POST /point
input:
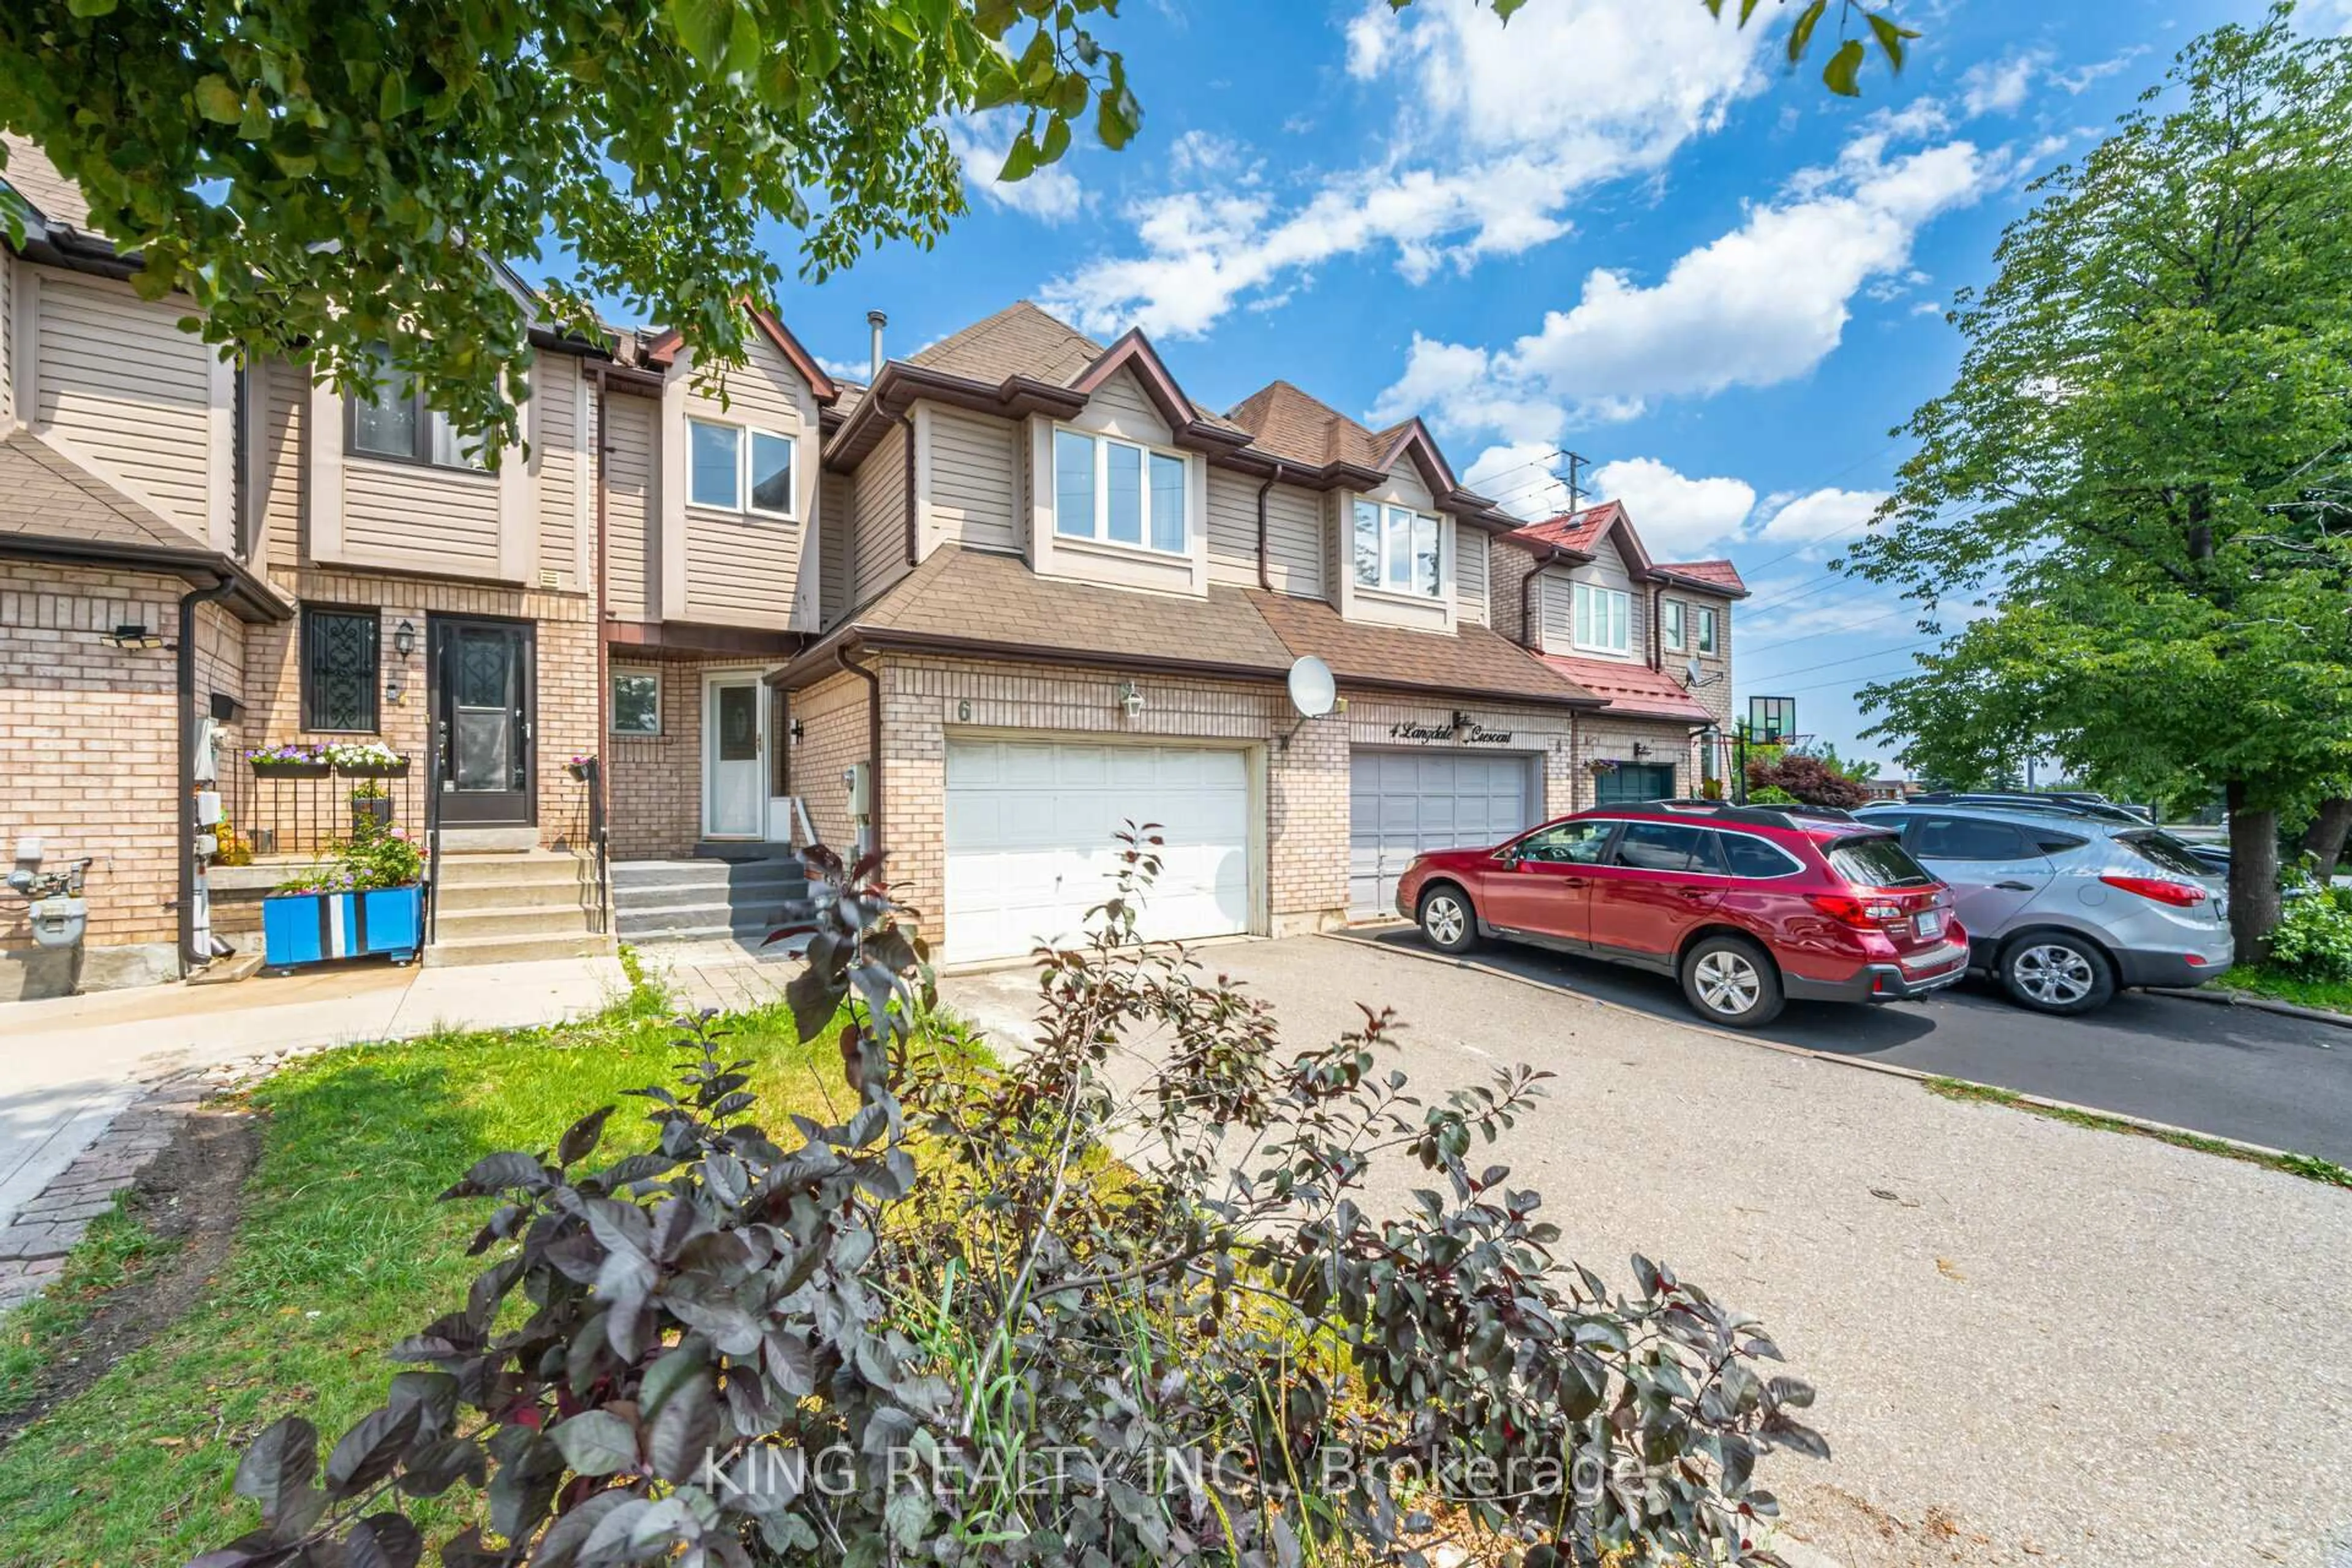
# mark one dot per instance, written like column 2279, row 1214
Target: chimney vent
column 877, row 320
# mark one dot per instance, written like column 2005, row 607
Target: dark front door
column 484, row 698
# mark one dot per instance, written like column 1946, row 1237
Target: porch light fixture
column 404, row 639
column 1640, row 750
column 134, row 637
column 1130, row 698
column 1461, row 726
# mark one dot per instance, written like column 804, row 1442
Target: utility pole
column 1577, row 464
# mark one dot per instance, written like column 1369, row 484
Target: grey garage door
column 1402, row 803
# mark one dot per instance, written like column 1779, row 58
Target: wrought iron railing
column 290, row 814
column 592, row 774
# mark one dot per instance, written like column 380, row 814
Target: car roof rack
column 1762, row 816
column 2069, row 805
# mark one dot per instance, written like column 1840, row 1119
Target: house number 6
column 963, row 711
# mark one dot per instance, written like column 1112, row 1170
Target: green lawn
column 340, row 1252
column 2332, row 995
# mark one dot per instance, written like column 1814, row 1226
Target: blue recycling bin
column 312, row 928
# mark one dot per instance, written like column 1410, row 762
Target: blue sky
column 1615, row 228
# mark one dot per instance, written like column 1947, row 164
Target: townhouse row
column 1010, row 593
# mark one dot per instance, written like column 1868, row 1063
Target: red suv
column 1745, row 905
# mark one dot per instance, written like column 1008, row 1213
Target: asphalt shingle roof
column 38, row 181
column 45, row 494
column 1019, row 339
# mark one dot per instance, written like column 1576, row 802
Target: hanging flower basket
column 367, row 760
column 289, row 762
column 1603, row 764
column 582, row 768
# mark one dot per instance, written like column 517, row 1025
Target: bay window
column 1604, row 618
column 732, row 468
column 1397, row 550
column 1116, row 492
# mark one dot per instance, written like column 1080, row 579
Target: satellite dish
column 1690, row 673
column 1312, row 690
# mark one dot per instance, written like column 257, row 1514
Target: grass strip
column 2310, row 1167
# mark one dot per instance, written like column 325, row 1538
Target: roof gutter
column 205, row 568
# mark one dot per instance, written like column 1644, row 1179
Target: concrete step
column 751, row 938
column 515, row 871
column 573, row 892
column 462, row 925
column 677, row 895
column 705, row 873
column 487, row 840
column 516, row 949
column 663, row 924
column 741, row 853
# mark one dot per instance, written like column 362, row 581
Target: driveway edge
column 2258, row 1152
column 2228, row 998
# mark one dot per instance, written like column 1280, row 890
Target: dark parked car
column 1746, row 906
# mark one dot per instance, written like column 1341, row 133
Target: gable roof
column 1582, row 531
column 43, row 186
column 1019, row 339
column 1286, row 423
column 1714, row 576
column 663, row 346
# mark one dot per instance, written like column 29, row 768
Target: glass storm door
column 737, row 779
column 483, row 697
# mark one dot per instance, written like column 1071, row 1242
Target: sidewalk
column 70, row 1066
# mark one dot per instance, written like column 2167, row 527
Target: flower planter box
column 292, row 770
column 312, row 928
column 398, row 770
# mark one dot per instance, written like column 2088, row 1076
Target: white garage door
column 1031, row 846
column 1402, row 803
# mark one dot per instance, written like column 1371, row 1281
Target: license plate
column 1928, row 924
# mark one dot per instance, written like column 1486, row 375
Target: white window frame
column 1390, row 517
column 743, row 489
column 1673, row 615
column 1591, row 595
column 1706, row 631
column 1101, row 535
column 613, row 698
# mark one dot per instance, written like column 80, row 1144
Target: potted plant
column 367, row 899
column 367, row 760
column 582, row 767
column 289, row 760
column 371, row 804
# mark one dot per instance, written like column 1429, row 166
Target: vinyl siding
column 1294, row 534
column 742, row 568
column 1607, row 568
column 7, row 336
column 118, row 381
column 555, row 392
column 880, row 507
column 630, row 508
column 422, row 519
column 1232, row 527
column 834, row 519
column 284, row 404
column 1470, row 574
column 973, row 482
column 1120, row 407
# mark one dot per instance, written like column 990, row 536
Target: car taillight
column 2179, row 895
column 1854, row 912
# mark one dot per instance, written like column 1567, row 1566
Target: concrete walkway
column 68, row 1067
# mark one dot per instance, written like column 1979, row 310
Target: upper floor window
column 1396, row 549
column 338, row 666
column 1604, row 618
column 1706, row 631
column 1119, row 492
column 1670, row 623
column 733, row 468
column 392, row 420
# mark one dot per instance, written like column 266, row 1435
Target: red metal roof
column 1721, row 573
column 1576, row 530
column 1633, row 689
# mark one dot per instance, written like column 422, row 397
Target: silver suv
column 2061, row 908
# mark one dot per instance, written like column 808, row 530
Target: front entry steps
column 501, row 905
column 738, row 896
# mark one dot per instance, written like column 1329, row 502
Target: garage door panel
column 1401, row 803
column 1030, row 840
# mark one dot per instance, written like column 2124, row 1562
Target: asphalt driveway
column 2035, row 1344
column 2235, row 1072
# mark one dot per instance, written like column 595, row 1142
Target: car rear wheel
column 1446, row 919
column 2054, row 971
column 1731, row 980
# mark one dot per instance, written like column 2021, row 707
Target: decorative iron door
column 484, row 698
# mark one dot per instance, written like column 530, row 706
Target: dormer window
column 1397, row 550
column 1116, row 492
column 1604, row 618
column 731, row 467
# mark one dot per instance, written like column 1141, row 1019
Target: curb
column 1887, row 1069
column 2227, row 998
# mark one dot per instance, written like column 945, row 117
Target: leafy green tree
column 2139, row 462
column 320, row 178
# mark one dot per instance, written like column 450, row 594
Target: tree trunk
column 2324, row 840
column 2254, row 875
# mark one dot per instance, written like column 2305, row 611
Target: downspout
column 914, row 518
column 1657, row 650
column 1526, row 592
column 186, row 844
column 873, row 680
column 1264, row 574
column 603, row 447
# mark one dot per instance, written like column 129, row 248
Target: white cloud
column 1999, row 87
column 1520, row 478
column 1676, row 516
column 1492, row 145
column 2080, row 79
column 1757, row 306
column 1051, row 195
column 1824, row 517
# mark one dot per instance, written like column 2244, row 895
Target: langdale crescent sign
column 1474, row 733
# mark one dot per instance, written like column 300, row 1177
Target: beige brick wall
column 88, row 751
column 1602, row 736
column 831, row 715
column 657, row 780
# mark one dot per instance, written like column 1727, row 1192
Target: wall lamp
column 404, row 639
column 134, row 637
column 1130, row 698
